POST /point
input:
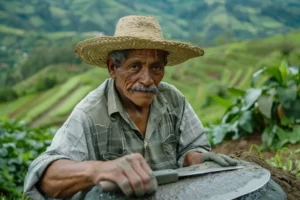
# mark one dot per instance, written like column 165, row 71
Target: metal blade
column 206, row 171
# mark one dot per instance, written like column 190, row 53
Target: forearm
column 64, row 178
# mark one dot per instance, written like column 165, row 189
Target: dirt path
column 46, row 114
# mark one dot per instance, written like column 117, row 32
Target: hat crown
column 144, row 27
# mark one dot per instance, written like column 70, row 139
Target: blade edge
column 206, row 171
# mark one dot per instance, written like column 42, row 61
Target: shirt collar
column 113, row 101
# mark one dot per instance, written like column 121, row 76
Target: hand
column 131, row 173
column 220, row 159
column 192, row 158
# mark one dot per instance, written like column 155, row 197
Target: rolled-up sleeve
column 192, row 136
column 68, row 143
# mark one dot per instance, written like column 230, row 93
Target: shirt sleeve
column 68, row 143
column 192, row 136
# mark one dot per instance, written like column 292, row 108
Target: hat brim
column 95, row 51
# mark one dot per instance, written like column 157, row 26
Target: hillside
column 201, row 80
column 29, row 25
column 184, row 20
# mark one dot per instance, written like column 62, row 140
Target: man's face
column 138, row 76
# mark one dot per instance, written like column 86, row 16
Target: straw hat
column 134, row 32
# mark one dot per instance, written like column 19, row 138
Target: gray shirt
column 100, row 129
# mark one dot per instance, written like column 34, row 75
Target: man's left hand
column 192, row 158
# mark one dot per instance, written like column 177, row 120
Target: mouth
column 142, row 91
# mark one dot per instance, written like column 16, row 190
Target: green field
column 201, row 80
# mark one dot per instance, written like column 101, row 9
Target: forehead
column 147, row 53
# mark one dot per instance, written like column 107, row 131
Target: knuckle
column 146, row 180
column 137, row 183
column 129, row 159
column 137, row 156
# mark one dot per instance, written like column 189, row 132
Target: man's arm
column 194, row 144
column 64, row 169
column 192, row 136
column 131, row 173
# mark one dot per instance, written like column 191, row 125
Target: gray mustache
column 141, row 88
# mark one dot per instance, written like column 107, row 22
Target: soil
column 239, row 149
column 289, row 182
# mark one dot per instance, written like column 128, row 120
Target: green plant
column 19, row 145
column 273, row 109
column 285, row 158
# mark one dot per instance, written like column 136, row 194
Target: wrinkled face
column 137, row 78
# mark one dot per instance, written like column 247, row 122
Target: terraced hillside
column 203, row 81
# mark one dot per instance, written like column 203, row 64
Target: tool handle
column 162, row 176
column 108, row 186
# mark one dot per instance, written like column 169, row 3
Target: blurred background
column 245, row 89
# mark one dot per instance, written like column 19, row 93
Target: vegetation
column 19, row 145
column 35, row 34
column 272, row 109
column 204, row 81
column 237, row 89
column 285, row 158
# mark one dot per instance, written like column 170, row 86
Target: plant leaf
column 284, row 71
column 251, row 97
column 295, row 135
column 294, row 110
column 274, row 72
column 265, row 105
column 245, row 121
column 287, row 95
column 255, row 76
column 268, row 135
column 219, row 133
column 236, row 92
column 223, row 102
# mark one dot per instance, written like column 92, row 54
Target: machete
column 167, row 176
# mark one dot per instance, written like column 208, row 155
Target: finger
column 153, row 182
column 144, row 175
column 145, row 166
column 153, row 185
column 123, row 180
column 218, row 159
column 124, row 185
column 133, row 172
column 229, row 160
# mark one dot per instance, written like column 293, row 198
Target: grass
column 43, row 97
column 10, row 30
column 7, row 108
column 71, row 101
column 43, row 107
column 287, row 158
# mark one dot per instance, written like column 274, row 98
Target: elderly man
column 131, row 124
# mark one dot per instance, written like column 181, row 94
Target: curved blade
column 206, row 171
column 253, row 185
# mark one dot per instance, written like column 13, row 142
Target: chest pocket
column 109, row 142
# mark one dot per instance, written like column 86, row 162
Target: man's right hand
column 131, row 173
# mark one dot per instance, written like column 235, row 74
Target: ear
column 111, row 68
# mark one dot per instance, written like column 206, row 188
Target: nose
column 146, row 77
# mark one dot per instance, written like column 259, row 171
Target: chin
column 143, row 100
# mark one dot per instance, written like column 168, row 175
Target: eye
column 135, row 66
column 157, row 67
